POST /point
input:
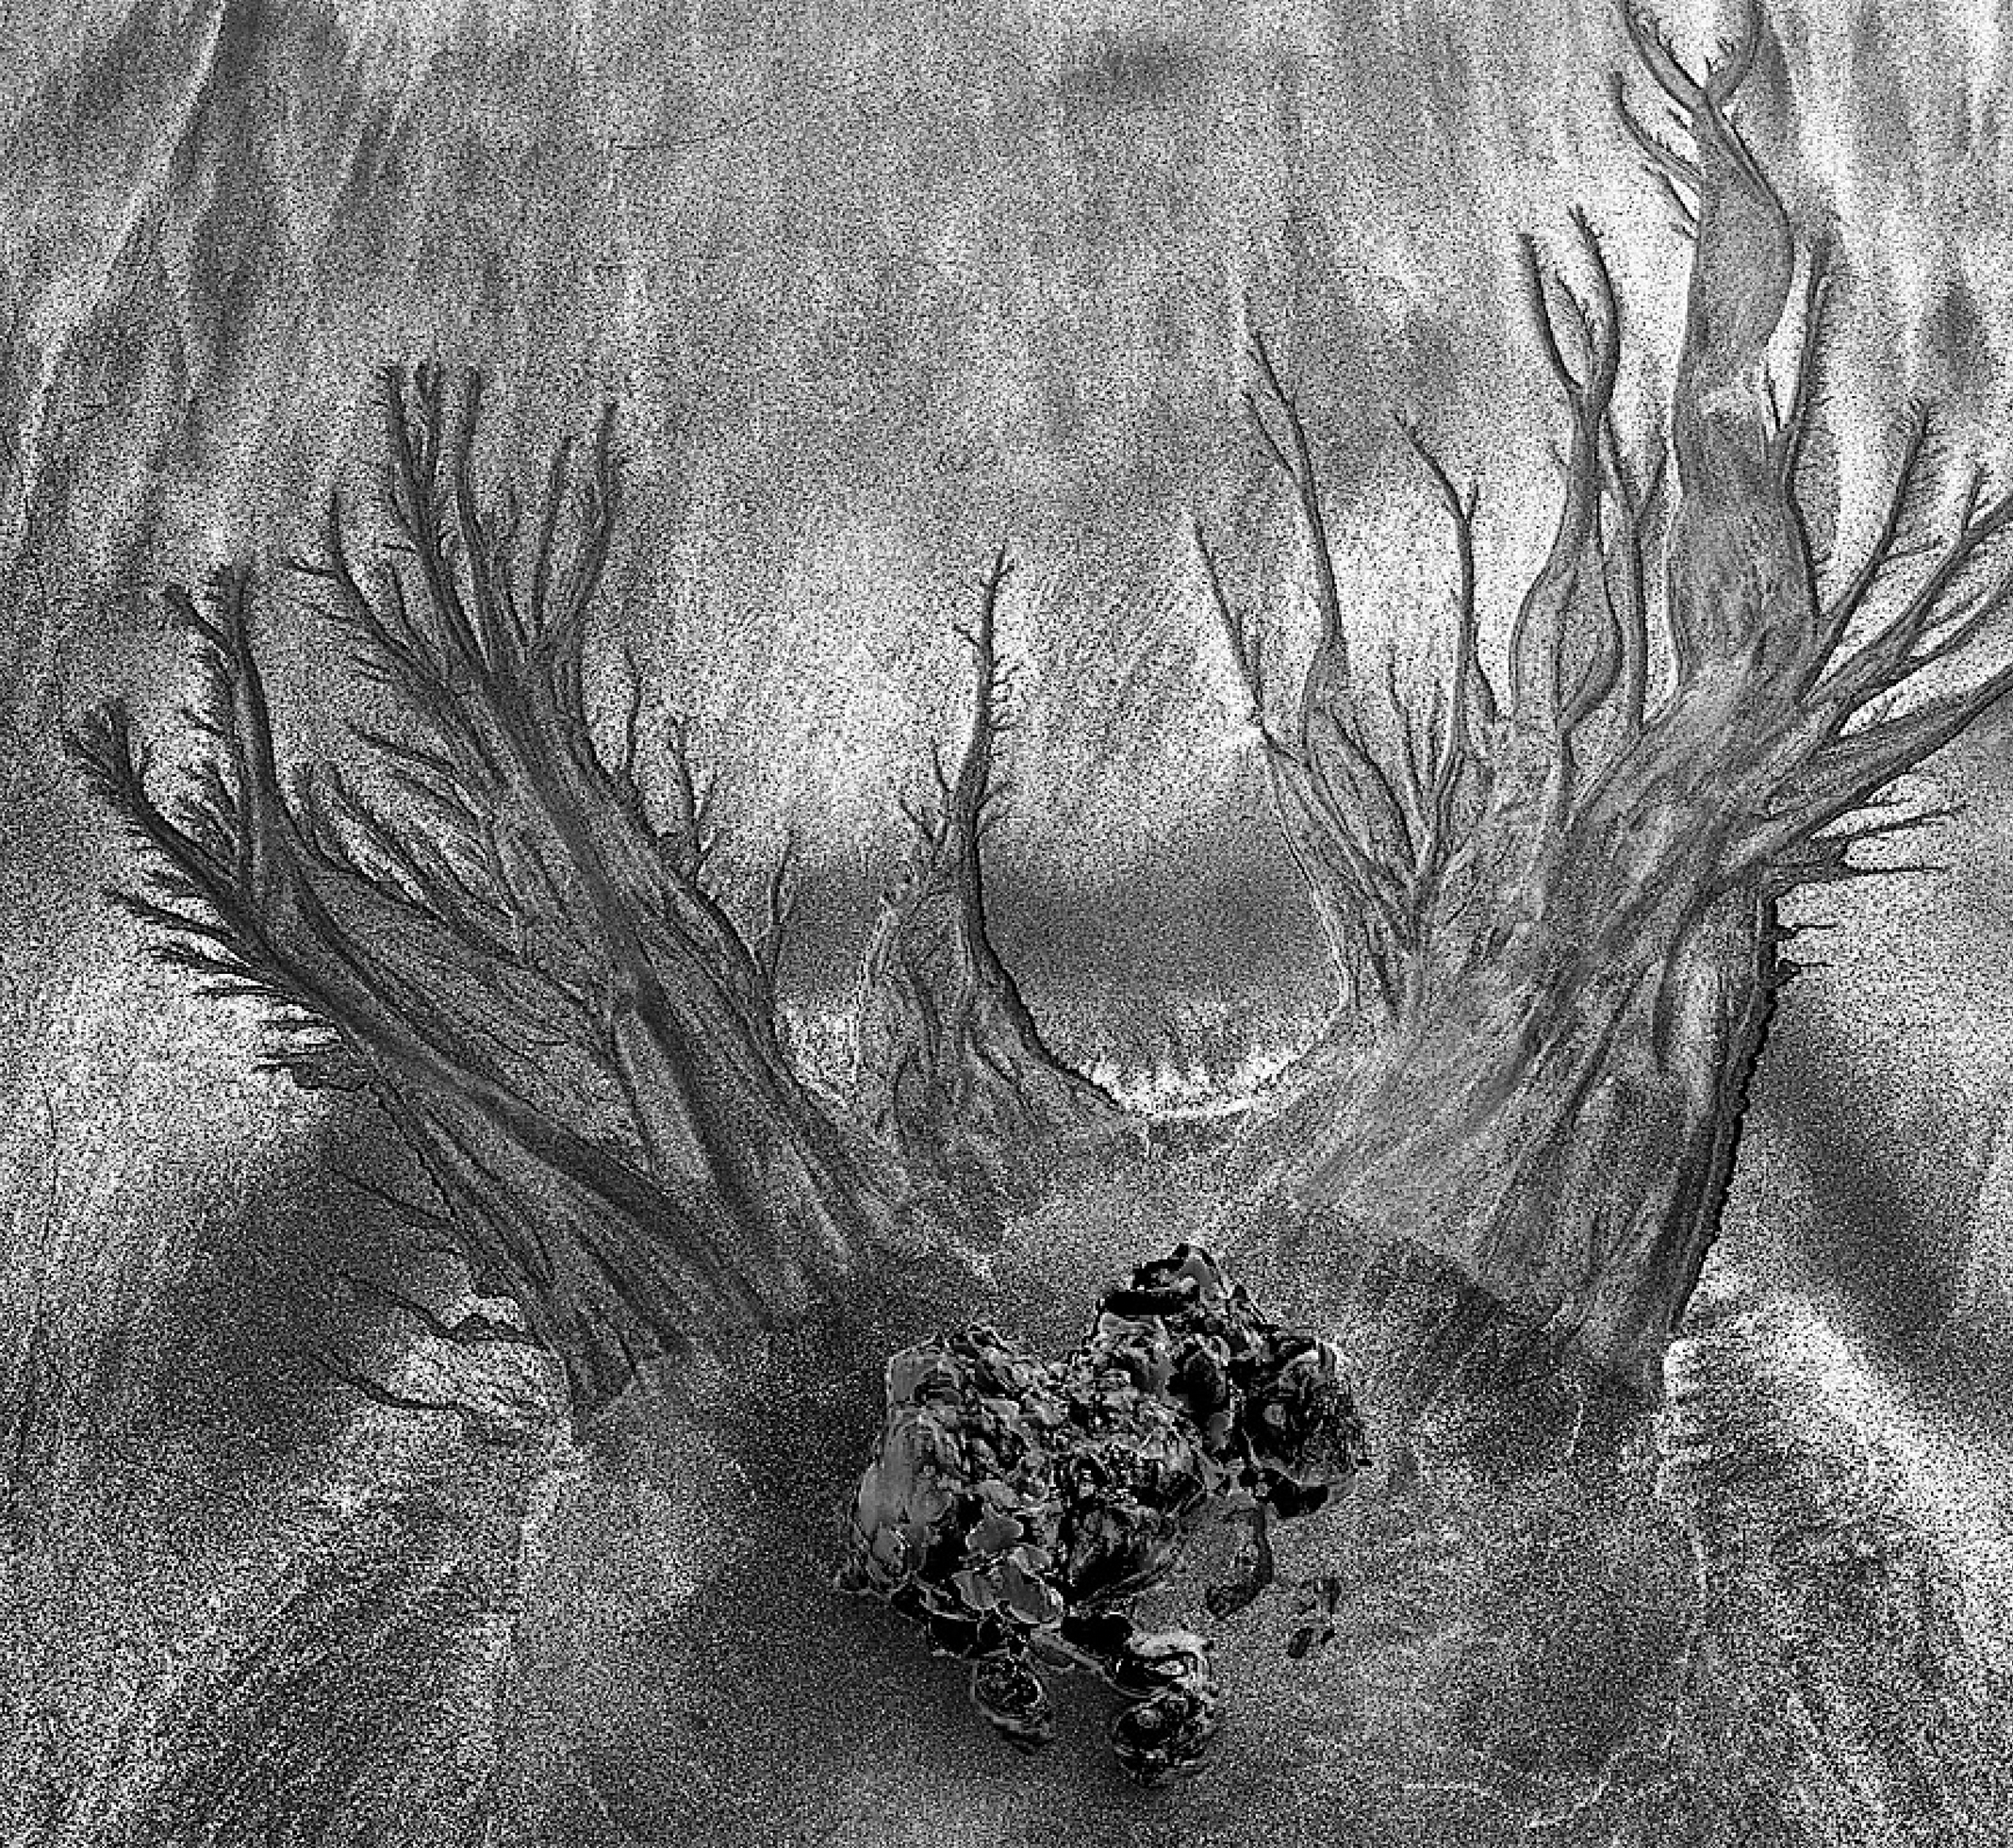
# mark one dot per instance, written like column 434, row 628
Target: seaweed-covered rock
column 1016, row 1505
